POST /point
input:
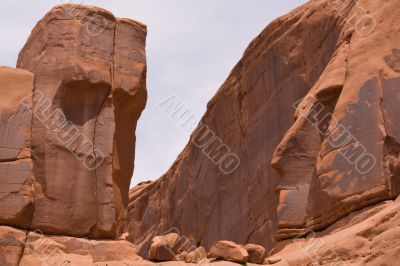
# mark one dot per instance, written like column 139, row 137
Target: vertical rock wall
column 310, row 111
column 90, row 89
column 16, row 175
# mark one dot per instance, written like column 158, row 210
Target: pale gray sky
column 191, row 48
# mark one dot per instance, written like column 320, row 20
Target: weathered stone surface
column 330, row 65
column 196, row 256
column 207, row 262
column 164, row 248
column 16, row 191
column 138, row 205
column 16, row 85
column 12, row 242
column 228, row 250
column 90, row 90
column 338, row 158
column 368, row 237
column 341, row 153
column 256, row 253
column 61, row 250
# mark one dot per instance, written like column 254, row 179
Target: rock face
column 16, row 191
column 227, row 250
column 67, row 138
column 341, row 154
column 33, row 248
column 368, row 237
column 301, row 141
column 89, row 91
column 310, row 112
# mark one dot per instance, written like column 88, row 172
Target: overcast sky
column 191, row 47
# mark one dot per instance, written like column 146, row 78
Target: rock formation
column 90, row 70
column 164, row 248
column 296, row 159
column 310, row 111
column 229, row 251
column 197, row 256
column 16, row 175
column 256, row 253
column 367, row 237
column 62, row 250
column 67, row 134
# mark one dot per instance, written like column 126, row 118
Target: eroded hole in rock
column 81, row 101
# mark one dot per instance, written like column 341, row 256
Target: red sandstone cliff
column 91, row 66
column 68, row 120
column 298, row 151
column 304, row 164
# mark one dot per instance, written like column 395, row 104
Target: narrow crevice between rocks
column 94, row 228
column 21, row 255
column 327, row 98
column 95, row 160
column 311, row 223
column 33, row 178
column 256, row 229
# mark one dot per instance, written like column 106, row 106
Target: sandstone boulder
column 12, row 244
column 228, row 250
column 256, row 253
column 43, row 249
column 164, row 248
column 196, row 256
column 90, row 89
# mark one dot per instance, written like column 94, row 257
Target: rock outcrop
column 341, row 153
column 229, row 251
column 367, row 237
column 12, row 245
column 164, row 248
column 67, row 138
column 298, row 151
column 89, row 91
column 309, row 112
column 16, row 175
column 256, row 253
column 33, row 248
